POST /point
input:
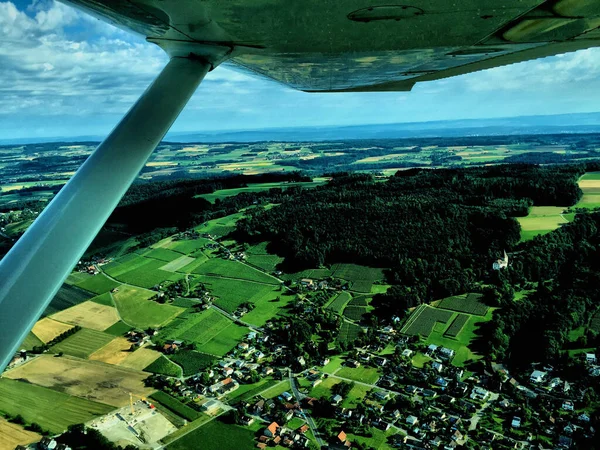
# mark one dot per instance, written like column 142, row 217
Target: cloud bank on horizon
column 65, row 73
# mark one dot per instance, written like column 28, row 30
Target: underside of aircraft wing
column 359, row 45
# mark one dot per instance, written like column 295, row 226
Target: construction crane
column 131, row 395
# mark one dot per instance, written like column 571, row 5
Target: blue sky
column 64, row 73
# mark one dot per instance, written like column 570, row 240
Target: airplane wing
column 360, row 45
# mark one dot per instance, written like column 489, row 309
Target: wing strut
column 35, row 268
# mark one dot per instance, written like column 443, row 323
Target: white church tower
column 501, row 263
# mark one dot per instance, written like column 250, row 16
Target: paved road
column 300, row 396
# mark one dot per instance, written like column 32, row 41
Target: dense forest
column 437, row 230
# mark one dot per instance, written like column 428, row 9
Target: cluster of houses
column 275, row 434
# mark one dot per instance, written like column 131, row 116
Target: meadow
column 175, row 405
column 466, row 303
column 210, row 330
column 340, row 302
column 164, row 366
column 98, row 284
column 590, row 185
column 137, row 310
column 187, row 246
column 258, row 256
column 217, row 435
column 259, row 187
column 355, row 313
column 423, row 319
column 348, row 332
column 361, row 278
column 114, row 352
column 40, row 405
column 364, row 374
column 233, row 269
column 47, row 329
column 140, row 359
column 83, row 343
column 541, row 220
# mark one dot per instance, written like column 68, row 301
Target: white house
column 501, row 263
column 412, row 420
column 516, row 422
column 537, row 376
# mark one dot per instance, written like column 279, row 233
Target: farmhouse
column 272, row 430
column 537, row 376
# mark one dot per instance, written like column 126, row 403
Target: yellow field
column 47, row 329
column 12, row 435
column 92, row 380
column 89, row 315
column 114, row 352
column 140, row 359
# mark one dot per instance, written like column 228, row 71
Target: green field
column 466, row 303
column 232, row 293
column 175, row 406
column 461, row 343
column 349, row 332
column 456, row 326
column 233, row 269
column 277, row 390
column 216, row 435
column 54, row 411
column 98, row 284
column 258, row 256
column 162, row 254
column 541, row 220
column 590, row 185
column 247, row 391
column 118, row 329
column 188, row 246
column 135, row 308
column 124, row 264
column 103, row 299
column 30, row 341
column 148, row 274
column 355, row 396
column 423, row 320
column 361, row 278
column 340, row 302
column 164, row 366
column 259, row 187
column 323, row 389
column 220, row 227
column 363, row 374
column 213, row 332
column 355, row 313
column 83, row 343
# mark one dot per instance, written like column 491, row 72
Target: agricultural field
column 40, row 405
column 218, row 267
column 462, row 344
column 118, row 329
column 220, row 227
column 355, row 313
column 361, row 278
column 162, row 254
column 98, row 284
column 247, row 391
column 175, row 406
column 187, row 246
column 260, row 187
column 217, row 435
column 349, row 332
column 77, row 277
column 456, row 326
column 541, row 220
column 595, row 322
column 423, row 319
column 115, row 352
column 89, row 315
column 163, row 366
column 340, row 302
column 137, row 310
column 258, row 256
column 277, row 389
column 47, row 329
column 66, row 297
column 178, row 264
column 83, row 343
column 12, row 435
column 209, row 329
column 148, row 275
column 124, row 264
column 590, row 185
column 466, row 303
column 103, row 299
column 140, row 359
column 30, row 341
column 364, row 374
column 193, row 362
column 87, row 379
column 323, row 389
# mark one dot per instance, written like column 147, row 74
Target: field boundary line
column 413, row 318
